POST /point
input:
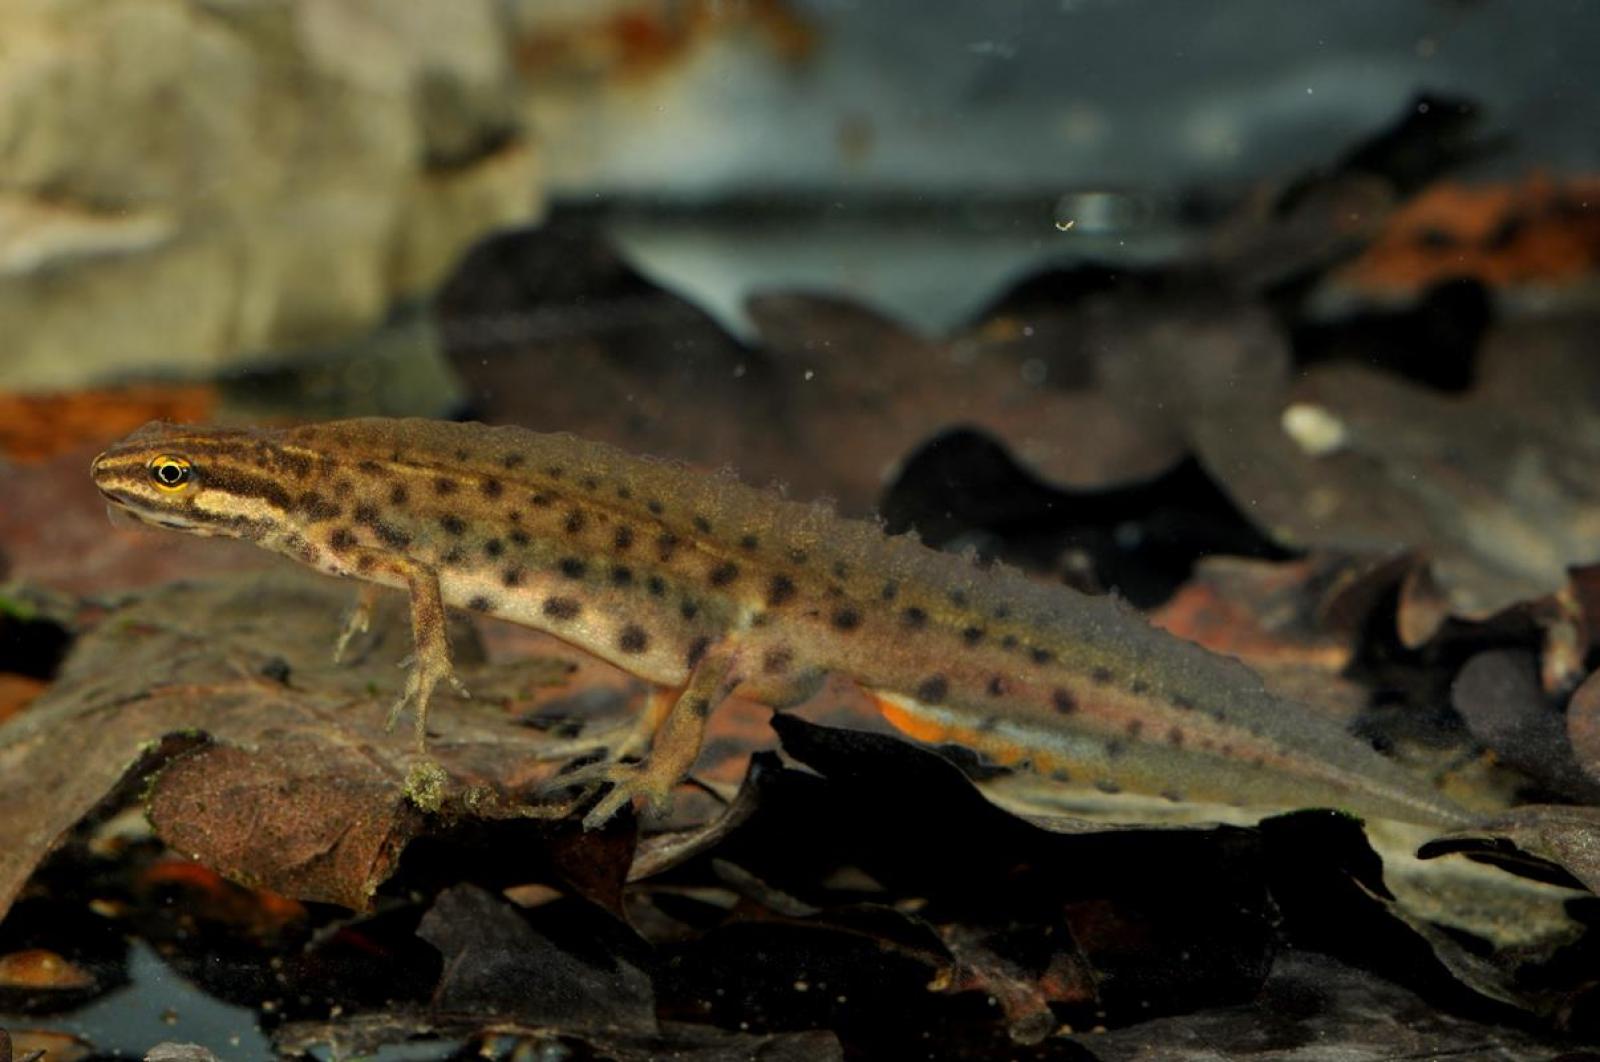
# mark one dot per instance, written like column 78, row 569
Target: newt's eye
column 170, row 473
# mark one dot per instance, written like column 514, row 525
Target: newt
column 701, row 585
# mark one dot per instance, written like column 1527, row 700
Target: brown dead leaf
column 1493, row 490
column 1499, row 696
column 833, row 395
column 1583, row 725
column 1543, row 231
column 38, row 427
column 300, row 790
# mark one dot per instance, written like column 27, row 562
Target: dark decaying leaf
column 300, row 789
column 1312, row 1006
column 1546, row 842
column 1491, row 489
column 498, row 963
column 1499, row 695
column 1583, row 725
column 366, row 1034
column 833, row 395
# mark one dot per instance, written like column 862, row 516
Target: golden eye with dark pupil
column 170, row 473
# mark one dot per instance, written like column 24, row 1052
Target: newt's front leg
column 430, row 658
column 676, row 744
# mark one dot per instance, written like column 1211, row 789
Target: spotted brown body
column 701, row 585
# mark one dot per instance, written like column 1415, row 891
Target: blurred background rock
column 192, row 185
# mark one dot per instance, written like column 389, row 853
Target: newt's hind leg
column 616, row 741
column 674, row 749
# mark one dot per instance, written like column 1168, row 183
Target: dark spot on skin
column 1115, row 747
column 776, row 661
column 1224, row 750
column 510, row 461
column 1002, row 612
column 575, row 523
column 492, row 488
column 1106, row 785
column 624, row 493
column 317, row 508
column 1184, row 703
column 540, row 498
column 840, row 571
column 972, row 635
column 914, row 617
column 494, row 547
column 561, row 608
column 453, row 555
column 364, row 563
column 760, row 619
column 779, row 589
column 656, row 585
column 688, row 610
column 1173, row 795
column 391, row 536
column 891, row 590
column 480, row 604
column 958, row 598
column 1041, row 656
column 398, row 495
column 996, row 687
column 297, row 464
column 590, row 483
column 444, row 485
column 1140, row 687
column 633, row 639
column 749, row 542
column 702, row 525
column 512, row 576
column 555, row 471
column 514, row 515
column 1134, row 728
column 621, row 575
column 933, row 689
column 1008, row 642
column 453, row 524
column 654, row 507
column 1101, row 676
column 370, row 467
column 622, row 538
column 666, row 543
column 846, row 619
column 461, row 455
column 724, row 573
column 700, row 706
column 572, row 567
column 366, row 513
column 1175, row 737
column 341, row 539
column 697, row 650
column 520, row 537
column 1063, row 701
column 835, row 590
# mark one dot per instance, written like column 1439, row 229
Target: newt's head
column 207, row 481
